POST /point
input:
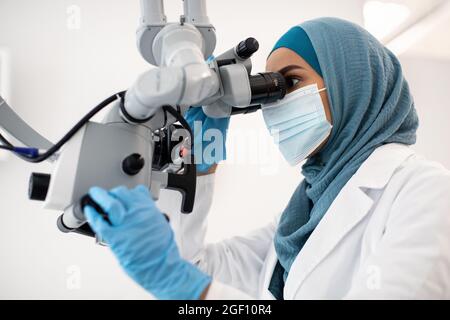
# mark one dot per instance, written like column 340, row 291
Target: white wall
column 429, row 80
column 58, row 74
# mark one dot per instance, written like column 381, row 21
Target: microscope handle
column 186, row 184
column 85, row 229
column 78, row 213
column 86, row 200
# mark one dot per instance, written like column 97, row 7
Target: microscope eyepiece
column 267, row 87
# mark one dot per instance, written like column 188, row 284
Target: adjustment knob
column 247, row 48
column 133, row 164
column 38, row 186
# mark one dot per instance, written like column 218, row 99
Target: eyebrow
column 290, row 68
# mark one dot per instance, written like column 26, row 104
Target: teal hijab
column 371, row 105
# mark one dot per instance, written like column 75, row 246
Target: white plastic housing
column 195, row 12
column 183, row 79
column 152, row 12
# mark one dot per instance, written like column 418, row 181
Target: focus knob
column 133, row 164
column 247, row 48
column 38, row 186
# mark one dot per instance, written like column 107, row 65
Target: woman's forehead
column 282, row 58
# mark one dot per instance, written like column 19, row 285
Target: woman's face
column 298, row 74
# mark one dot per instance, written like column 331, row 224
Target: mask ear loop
column 309, row 92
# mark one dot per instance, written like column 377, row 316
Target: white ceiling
column 435, row 44
column 427, row 28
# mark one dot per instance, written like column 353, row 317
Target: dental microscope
column 144, row 139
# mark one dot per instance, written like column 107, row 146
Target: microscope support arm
column 183, row 77
column 19, row 129
column 152, row 12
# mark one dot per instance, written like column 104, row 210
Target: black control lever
column 186, row 184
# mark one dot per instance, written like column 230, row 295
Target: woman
column 370, row 219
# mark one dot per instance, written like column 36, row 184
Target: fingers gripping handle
column 75, row 221
column 85, row 229
column 88, row 201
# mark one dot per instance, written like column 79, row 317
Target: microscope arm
column 19, row 129
column 169, row 86
column 183, row 77
column 152, row 13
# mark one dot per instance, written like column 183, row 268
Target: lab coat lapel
column 349, row 208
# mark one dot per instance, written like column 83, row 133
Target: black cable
column 165, row 118
column 55, row 148
column 9, row 148
column 5, row 141
column 183, row 122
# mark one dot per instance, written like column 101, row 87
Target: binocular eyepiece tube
column 267, row 87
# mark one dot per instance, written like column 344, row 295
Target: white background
column 57, row 74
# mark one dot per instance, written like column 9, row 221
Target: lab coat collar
column 378, row 169
column 348, row 209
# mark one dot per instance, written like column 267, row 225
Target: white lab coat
column 386, row 236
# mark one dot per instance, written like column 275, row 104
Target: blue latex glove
column 143, row 242
column 205, row 160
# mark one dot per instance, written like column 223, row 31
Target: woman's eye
column 292, row 82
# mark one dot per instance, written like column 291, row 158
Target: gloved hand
column 206, row 156
column 143, row 242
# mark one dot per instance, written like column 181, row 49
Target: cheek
column 326, row 105
column 308, row 79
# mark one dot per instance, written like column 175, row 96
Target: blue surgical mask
column 298, row 123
